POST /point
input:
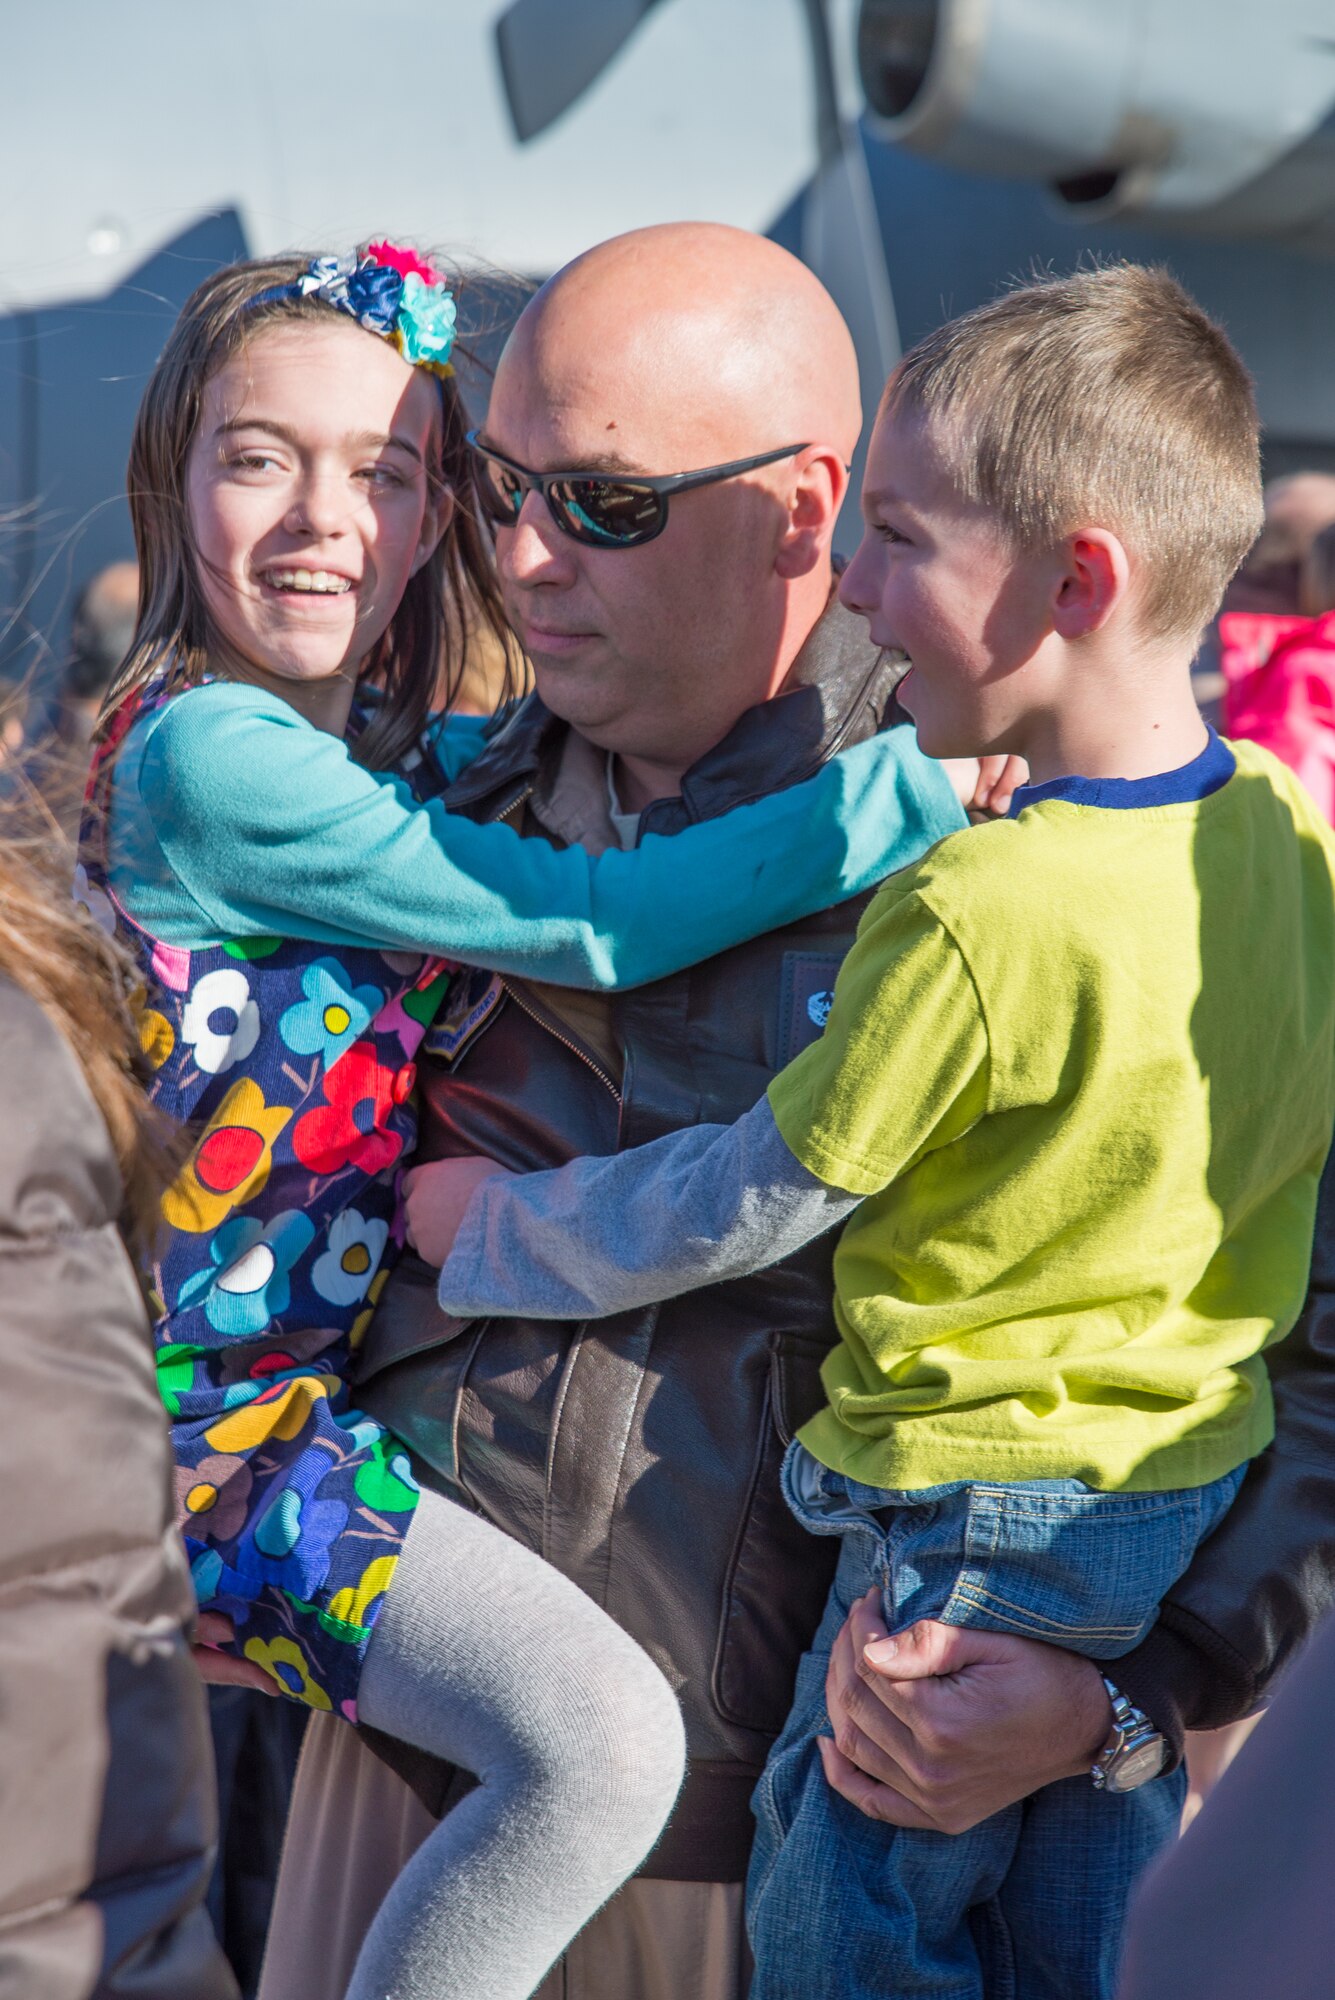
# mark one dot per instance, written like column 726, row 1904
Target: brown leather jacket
column 106, row 1772
column 640, row 1453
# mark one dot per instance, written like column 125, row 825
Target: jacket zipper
column 532, row 1012
column 565, row 1041
column 520, row 799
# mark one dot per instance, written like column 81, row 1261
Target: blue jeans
column 1029, row 1904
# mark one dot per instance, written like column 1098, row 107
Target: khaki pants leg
column 351, row 1827
column 354, row 1824
column 658, row 1941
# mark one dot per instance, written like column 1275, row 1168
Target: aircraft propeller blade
column 552, row 50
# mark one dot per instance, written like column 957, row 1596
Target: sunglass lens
column 501, row 493
column 610, row 513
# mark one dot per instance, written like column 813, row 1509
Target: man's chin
column 581, row 691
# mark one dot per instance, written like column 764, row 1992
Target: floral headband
column 390, row 290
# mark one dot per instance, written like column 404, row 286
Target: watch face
column 1137, row 1767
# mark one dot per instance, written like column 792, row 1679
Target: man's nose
column 534, row 550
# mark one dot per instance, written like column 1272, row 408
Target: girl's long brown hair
column 81, row 978
column 454, row 594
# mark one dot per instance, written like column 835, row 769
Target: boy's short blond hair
column 1106, row 399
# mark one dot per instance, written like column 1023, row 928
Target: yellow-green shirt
column 1081, row 1064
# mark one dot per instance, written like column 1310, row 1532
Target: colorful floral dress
column 293, row 1064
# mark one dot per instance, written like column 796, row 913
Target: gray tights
column 487, row 1657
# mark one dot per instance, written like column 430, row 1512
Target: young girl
column 303, row 500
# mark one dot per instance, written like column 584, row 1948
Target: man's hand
column 435, row 1197
column 943, row 1725
column 224, row 1669
column 985, row 786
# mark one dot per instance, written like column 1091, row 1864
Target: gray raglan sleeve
column 601, row 1235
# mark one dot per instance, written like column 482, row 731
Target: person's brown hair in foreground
column 106, row 1847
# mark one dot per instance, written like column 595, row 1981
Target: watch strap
column 1132, row 1731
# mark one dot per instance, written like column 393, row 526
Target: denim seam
column 984, row 1598
column 1154, row 1504
column 972, row 1580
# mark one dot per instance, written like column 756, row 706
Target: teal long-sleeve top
column 232, row 816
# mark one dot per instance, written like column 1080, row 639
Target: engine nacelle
column 1216, row 114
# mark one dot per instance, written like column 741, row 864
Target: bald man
column 704, row 664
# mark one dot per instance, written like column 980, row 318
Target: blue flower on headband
column 369, row 292
column 425, row 322
column 374, row 292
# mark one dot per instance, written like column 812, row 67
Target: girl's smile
column 310, row 506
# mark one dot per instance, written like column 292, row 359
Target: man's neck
column 641, row 780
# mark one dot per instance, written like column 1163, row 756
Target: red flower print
column 351, row 1128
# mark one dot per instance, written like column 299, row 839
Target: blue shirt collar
column 1204, row 774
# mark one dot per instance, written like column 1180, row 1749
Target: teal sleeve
column 233, row 817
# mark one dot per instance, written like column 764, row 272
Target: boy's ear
column 814, row 499
column 1094, row 581
column 436, row 519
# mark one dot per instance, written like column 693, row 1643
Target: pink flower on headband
column 401, row 257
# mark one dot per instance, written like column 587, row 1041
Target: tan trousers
column 353, row 1825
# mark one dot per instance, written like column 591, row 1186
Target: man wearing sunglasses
column 663, row 461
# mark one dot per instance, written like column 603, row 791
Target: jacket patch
column 473, row 998
column 806, row 993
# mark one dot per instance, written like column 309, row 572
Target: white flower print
column 217, row 1049
column 343, row 1273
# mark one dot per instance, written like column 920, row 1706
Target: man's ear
column 1095, row 579
column 815, row 496
column 435, row 520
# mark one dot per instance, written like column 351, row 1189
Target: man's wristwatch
column 1133, row 1754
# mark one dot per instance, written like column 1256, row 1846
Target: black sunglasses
column 604, row 510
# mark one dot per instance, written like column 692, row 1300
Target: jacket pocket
column 779, row 1576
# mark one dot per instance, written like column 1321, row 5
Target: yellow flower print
column 281, row 1412
column 157, row 1037
column 231, row 1162
column 284, row 1660
column 363, row 1319
column 351, row 1606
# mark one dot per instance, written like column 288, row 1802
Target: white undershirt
column 625, row 825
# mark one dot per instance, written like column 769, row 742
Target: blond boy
column 1072, row 1103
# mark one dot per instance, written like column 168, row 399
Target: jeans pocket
column 1074, row 1567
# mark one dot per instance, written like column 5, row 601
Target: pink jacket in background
column 1279, row 675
